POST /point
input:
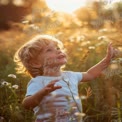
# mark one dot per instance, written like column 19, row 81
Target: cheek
column 50, row 60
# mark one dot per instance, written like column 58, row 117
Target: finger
column 51, row 89
column 109, row 46
column 57, row 87
column 54, row 81
column 110, row 51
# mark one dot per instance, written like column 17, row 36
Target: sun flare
column 67, row 6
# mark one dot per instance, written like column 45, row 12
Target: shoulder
column 37, row 80
column 78, row 76
column 71, row 73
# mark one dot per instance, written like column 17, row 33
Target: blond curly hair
column 30, row 52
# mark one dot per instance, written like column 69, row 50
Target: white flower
column 15, row 86
column 12, row 76
column 114, row 66
column 72, row 39
column 25, row 22
column 114, row 61
column 80, row 38
column 80, row 114
column 83, row 97
column 102, row 37
column 103, row 30
column 76, row 97
column 85, row 43
column 5, row 83
column 91, row 47
column 120, row 59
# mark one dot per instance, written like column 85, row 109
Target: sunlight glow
column 67, row 6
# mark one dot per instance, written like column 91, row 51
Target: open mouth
column 61, row 56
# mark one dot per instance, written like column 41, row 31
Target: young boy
column 53, row 93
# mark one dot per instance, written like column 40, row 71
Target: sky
column 69, row 6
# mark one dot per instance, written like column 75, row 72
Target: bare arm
column 30, row 102
column 96, row 70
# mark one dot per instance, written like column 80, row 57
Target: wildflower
column 15, row 86
column 32, row 25
column 120, row 48
column 72, row 119
column 83, row 97
column 80, row 114
column 5, row 83
column 80, row 38
column 102, row 38
column 120, row 60
column 25, row 22
column 113, row 66
column 76, row 97
column 91, row 47
column 72, row 39
column 85, row 43
column 103, row 30
column 12, row 76
column 113, row 69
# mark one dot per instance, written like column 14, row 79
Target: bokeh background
column 85, row 33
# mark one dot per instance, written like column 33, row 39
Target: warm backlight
column 67, row 6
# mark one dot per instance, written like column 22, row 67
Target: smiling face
column 52, row 56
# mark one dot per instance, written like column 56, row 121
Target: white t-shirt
column 61, row 104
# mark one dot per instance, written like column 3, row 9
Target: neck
column 52, row 71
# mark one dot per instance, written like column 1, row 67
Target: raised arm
column 30, row 102
column 96, row 70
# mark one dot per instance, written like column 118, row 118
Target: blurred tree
column 13, row 11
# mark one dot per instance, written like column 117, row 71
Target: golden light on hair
column 26, row 57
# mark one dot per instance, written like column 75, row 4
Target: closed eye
column 48, row 50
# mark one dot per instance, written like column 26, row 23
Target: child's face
column 52, row 56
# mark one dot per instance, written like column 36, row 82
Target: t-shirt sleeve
column 33, row 87
column 79, row 76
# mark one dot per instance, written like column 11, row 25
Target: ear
column 36, row 63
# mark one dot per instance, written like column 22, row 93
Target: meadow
column 85, row 37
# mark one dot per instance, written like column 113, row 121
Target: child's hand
column 51, row 87
column 111, row 52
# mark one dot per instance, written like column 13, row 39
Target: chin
column 63, row 63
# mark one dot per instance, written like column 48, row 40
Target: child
column 52, row 93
